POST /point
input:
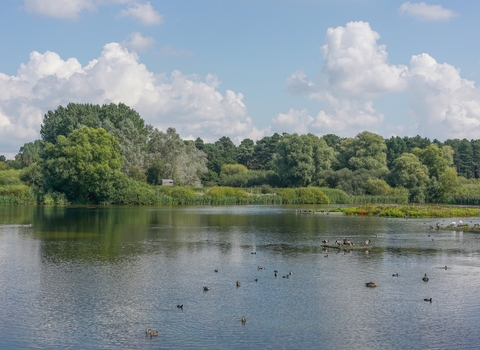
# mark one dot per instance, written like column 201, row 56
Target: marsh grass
column 414, row 211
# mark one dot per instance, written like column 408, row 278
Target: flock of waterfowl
column 347, row 242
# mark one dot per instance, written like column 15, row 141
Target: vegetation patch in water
column 409, row 211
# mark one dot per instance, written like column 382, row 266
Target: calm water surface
column 97, row 277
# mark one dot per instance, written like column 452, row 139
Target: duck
column 256, row 279
column 148, row 331
column 395, row 275
column 286, row 276
column 324, row 240
column 253, row 253
column 430, row 299
column 216, row 270
column 261, row 268
column 244, row 320
column 371, row 284
column 425, row 278
column 154, row 334
column 205, row 289
column 180, row 306
column 290, row 273
column 276, row 273
column 445, row 267
column 367, row 242
column 238, row 283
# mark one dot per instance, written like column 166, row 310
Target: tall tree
column 366, row 151
column 410, row 173
column 436, row 159
column 118, row 120
column 300, row 159
column 84, row 165
column 245, row 152
column 183, row 162
column 264, row 152
column 396, row 146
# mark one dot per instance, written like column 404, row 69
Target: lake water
column 97, row 277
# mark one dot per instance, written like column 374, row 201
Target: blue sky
column 245, row 68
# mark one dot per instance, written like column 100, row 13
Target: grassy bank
column 414, row 211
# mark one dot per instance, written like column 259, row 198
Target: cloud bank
column 357, row 72
column 189, row 103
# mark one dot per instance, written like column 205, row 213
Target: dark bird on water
column 425, row 278
column 244, row 320
column 206, row 289
column 180, row 306
column 395, row 275
column 430, row 299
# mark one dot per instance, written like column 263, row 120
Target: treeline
column 107, row 154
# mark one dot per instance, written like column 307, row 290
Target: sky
column 245, row 68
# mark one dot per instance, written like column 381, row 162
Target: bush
column 10, row 177
column 336, row 195
column 224, row 192
column 303, row 195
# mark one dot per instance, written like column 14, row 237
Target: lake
column 97, row 277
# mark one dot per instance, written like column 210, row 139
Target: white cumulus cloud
column 137, row 42
column 426, row 12
column 357, row 72
column 191, row 104
column 355, row 65
column 145, row 13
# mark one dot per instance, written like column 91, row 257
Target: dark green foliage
column 29, row 153
column 264, row 152
column 416, row 141
column 2, row 158
column 352, row 182
column 245, row 153
column 155, row 172
column 396, row 146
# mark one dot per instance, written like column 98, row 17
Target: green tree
column 366, row 151
column 84, row 165
column 183, row 162
column 301, row 159
column 264, row 152
column 447, row 184
column 245, row 152
column 155, row 172
column 29, row 153
column 396, row 146
column 410, row 173
column 118, row 120
column 436, row 159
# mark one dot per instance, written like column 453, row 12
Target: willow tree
column 182, row 161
